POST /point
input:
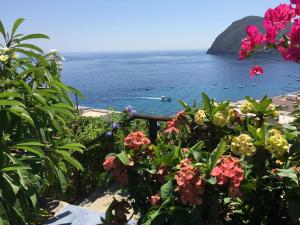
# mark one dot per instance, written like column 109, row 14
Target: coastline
column 285, row 103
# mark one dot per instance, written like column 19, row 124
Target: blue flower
column 115, row 126
column 108, row 134
column 128, row 109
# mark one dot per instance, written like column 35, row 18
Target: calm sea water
column 115, row 80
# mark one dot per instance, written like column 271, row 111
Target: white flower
column 4, row 50
column 63, row 58
column 3, row 58
column 15, row 55
column 53, row 51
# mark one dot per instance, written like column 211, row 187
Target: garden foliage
column 210, row 165
column 34, row 106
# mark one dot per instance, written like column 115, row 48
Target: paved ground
column 75, row 215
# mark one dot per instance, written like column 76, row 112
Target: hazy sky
column 121, row 25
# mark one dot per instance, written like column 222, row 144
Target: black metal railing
column 152, row 123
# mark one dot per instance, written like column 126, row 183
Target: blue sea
column 115, row 80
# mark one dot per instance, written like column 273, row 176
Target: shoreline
column 285, row 102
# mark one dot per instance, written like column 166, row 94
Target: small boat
column 214, row 84
column 289, row 82
column 253, row 84
column 240, row 86
column 164, row 98
column 171, row 86
column 148, row 89
column 226, row 87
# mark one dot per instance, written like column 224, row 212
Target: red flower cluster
column 174, row 124
column 171, row 130
column 229, row 169
column 135, row 140
column 189, row 183
column 117, row 169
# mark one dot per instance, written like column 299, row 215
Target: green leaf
column 33, row 150
column 31, row 143
column 16, row 25
column 123, row 157
column 166, row 190
column 2, row 30
column 216, row 154
column 10, row 182
column 11, row 103
column 73, row 146
column 185, row 105
column 34, row 36
column 206, row 104
column 252, row 130
column 10, row 94
column 21, row 112
column 3, row 215
column 288, row 173
column 15, row 167
column 30, row 46
column 71, row 160
column 62, row 180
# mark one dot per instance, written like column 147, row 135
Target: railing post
column 76, row 99
column 153, row 130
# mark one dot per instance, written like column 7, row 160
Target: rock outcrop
column 229, row 42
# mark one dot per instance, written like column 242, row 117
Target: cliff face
column 229, row 42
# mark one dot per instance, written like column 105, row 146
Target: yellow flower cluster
column 3, row 56
column 231, row 115
column 220, row 119
column 246, row 107
column 243, row 145
column 200, row 116
column 276, row 143
column 272, row 110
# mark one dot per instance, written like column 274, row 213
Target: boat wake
column 149, row 98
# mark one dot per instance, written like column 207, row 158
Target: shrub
column 85, row 130
column 239, row 170
column 34, row 106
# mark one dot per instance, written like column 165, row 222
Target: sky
column 129, row 25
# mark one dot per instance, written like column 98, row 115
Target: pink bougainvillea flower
column 295, row 33
column 256, row 37
column 295, row 1
column 279, row 17
column 297, row 8
column 271, row 33
column 256, row 70
column 291, row 53
column 154, row 199
column 243, row 54
column 135, row 140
